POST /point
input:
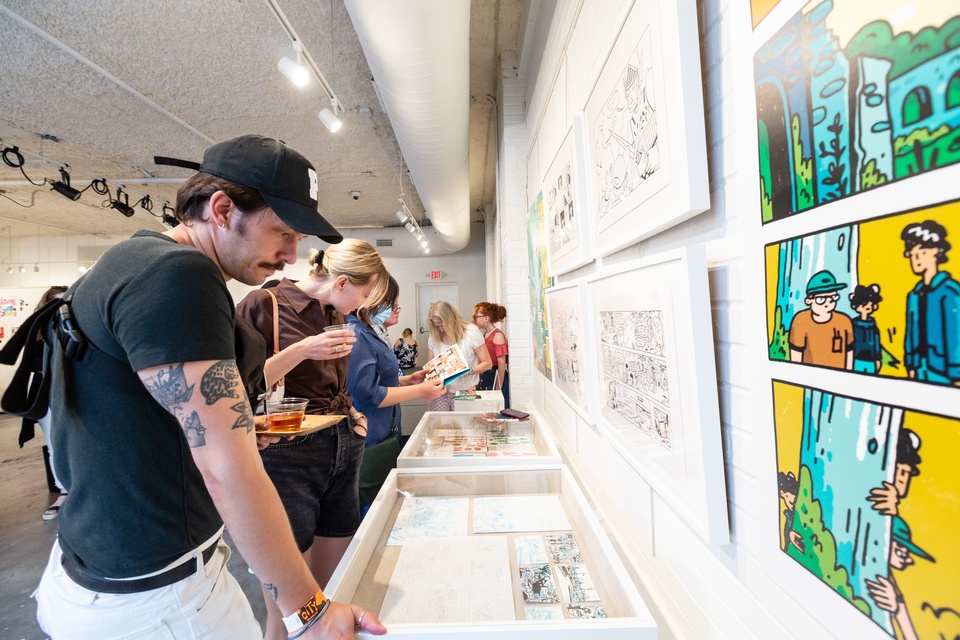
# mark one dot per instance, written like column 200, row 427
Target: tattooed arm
column 208, row 400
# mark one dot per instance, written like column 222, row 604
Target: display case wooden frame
column 412, row 455
column 363, row 575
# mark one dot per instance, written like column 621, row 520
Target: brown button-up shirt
column 322, row 382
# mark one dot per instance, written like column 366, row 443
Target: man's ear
column 220, row 207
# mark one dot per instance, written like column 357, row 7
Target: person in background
column 448, row 328
column 378, row 389
column 485, row 316
column 867, row 352
column 385, row 318
column 163, row 455
column 27, row 426
column 316, row 475
column 405, row 348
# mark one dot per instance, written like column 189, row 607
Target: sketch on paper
column 430, row 517
column 853, row 96
column 537, row 585
column 8, row 307
column 868, row 503
column 575, row 584
column 457, row 579
column 530, row 550
column 585, row 611
column 563, row 548
column 518, row 513
column 626, row 137
column 567, row 341
column 635, row 371
column 561, row 211
column 873, row 297
column 547, row 612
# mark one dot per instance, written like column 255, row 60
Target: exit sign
column 436, row 275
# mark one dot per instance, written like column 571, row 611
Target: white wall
column 695, row 590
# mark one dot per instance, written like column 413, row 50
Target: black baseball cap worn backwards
column 284, row 177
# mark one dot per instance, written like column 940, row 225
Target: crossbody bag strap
column 276, row 333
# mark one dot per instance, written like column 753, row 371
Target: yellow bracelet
column 314, row 607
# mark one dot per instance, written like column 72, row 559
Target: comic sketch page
column 518, row 513
column 457, row 579
column 448, row 365
column 430, row 517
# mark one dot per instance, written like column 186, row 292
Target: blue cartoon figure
column 867, row 352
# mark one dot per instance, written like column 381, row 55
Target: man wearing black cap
column 155, row 436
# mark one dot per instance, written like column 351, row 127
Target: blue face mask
column 381, row 316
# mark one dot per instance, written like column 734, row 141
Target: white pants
column 208, row 604
column 44, row 423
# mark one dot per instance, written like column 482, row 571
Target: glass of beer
column 285, row 415
column 345, row 347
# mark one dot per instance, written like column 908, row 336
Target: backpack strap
column 17, row 399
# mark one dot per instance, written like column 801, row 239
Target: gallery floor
column 25, row 539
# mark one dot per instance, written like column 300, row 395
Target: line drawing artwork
column 548, row 612
column 635, row 371
column 564, row 229
column 576, row 585
column 537, row 585
column 626, row 135
column 429, row 517
column 567, row 346
column 518, row 513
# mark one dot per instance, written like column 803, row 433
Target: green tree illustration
column 779, row 345
column 803, row 168
column 871, row 177
column 835, row 167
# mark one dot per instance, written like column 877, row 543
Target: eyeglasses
column 901, row 552
column 823, row 299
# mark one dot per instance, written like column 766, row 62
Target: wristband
column 312, row 610
column 357, row 416
column 302, row 630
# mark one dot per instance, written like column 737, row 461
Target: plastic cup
column 340, row 327
column 286, row 415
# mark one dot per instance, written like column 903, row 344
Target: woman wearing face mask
column 316, row 475
column 377, row 389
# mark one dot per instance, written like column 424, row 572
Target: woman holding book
column 448, row 328
column 377, row 389
column 485, row 316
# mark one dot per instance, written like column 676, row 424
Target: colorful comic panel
column 874, row 298
column 540, row 281
column 868, row 504
column 760, row 8
column 854, row 95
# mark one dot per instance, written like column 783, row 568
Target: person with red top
column 485, row 316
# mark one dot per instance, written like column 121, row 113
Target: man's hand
column 885, row 499
column 883, row 593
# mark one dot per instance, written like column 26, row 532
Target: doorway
column 427, row 294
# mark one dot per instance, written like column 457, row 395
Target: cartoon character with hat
column 821, row 335
column 885, row 592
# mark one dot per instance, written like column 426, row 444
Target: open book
column 448, row 365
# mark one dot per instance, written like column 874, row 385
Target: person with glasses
column 485, row 316
column 821, row 335
column 448, row 328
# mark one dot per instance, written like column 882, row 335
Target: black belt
column 168, row 577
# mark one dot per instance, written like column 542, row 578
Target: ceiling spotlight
column 62, row 186
column 426, row 250
column 409, row 227
column 82, row 268
column 423, row 243
column 10, row 269
column 168, row 218
column 294, row 70
column 36, row 268
column 401, row 216
column 23, row 269
column 330, row 120
column 123, row 207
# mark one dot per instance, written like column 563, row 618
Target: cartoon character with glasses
column 821, row 335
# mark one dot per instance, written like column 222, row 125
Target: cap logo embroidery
column 313, row 183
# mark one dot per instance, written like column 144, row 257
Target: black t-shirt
column 137, row 500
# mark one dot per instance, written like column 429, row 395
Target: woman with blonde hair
column 447, row 328
column 317, row 475
column 485, row 316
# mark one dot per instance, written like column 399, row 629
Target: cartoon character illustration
column 886, row 499
column 821, row 335
column 867, row 352
column 884, row 591
column 789, row 485
column 932, row 342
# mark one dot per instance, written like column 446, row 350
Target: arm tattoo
column 245, row 421
column 272, row 590
column 194, row 431
column 170, row 388
column 219, row 381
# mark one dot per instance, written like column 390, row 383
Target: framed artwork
column 644, row 128
column 882, row 103
column 565, row 216
column 572, row 352
column 540, row 280
column 657, row 396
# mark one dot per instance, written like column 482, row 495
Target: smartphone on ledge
column 513, row 413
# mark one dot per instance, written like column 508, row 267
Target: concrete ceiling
column 105, row 86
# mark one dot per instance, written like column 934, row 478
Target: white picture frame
column 572, row 352
column 656, row 381
column 645, row 132
column 565, row 209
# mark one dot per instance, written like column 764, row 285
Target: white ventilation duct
column 419, row 54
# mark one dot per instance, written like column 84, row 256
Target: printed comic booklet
column 448, row 365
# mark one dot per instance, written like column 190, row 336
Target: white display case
column 485, row 402
column 472, row 440
column 463, row 571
